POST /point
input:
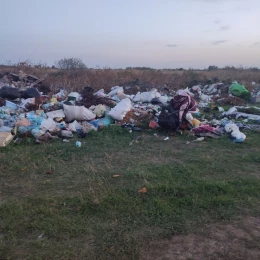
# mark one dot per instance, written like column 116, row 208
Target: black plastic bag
column 30, row 93
column 169, row 118
column 9, row 93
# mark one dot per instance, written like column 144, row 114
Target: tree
column 229, row 68
column 212, row 67
column 70, row 63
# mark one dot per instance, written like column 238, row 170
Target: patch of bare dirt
column 234, row 241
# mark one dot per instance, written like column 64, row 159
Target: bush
column 70, row 63
column 212, row 67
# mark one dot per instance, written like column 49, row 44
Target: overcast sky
column 121, row 33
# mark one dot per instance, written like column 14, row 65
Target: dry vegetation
column 76, row 79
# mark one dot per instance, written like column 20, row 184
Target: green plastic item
column 239, row 91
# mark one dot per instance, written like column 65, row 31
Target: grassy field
column 58, row 201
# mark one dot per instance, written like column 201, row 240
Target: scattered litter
column 143, row 190
column 195, row 122
column 196, row 140
column 236, row 135
column 153, row 124
column 78, row 144
column 116, row 175
column 199, row 139
column 41, row 236
column 136, row 140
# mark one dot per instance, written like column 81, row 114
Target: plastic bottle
column 78, row 144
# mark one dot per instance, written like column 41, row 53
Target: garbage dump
column 239, row 91
column 255, row 95
column 25, row 110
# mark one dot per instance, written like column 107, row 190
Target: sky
column 130, row 33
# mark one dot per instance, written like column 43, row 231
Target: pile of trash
column 22, row 81
column 233, row 94
column 255, row 94
column 29, row 112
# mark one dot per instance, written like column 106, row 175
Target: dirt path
column 239, row 240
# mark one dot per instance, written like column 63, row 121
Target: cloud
column 224, row 28
column 218, row 42
column 172, row 45
column 221, row 29
column 256, row 44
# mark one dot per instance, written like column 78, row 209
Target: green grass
column 59, row 201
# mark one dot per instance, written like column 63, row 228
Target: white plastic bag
column 238, row 136
column 114, row 91
column 137, row 97
column 230, row 111
column 229, row 128
column 163, row 99
column 196, row 88
column 188, row 91
column 75, row 95
column 204, row 98
column 189, row 116
column 56, row 113
column 100, row 93
column 74, row 126
column 122, row 95
column 146, row 96
column 79, row 113
column 48, row 124
column 157, row 94
column 120, row 110
column 100, row 110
